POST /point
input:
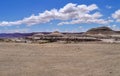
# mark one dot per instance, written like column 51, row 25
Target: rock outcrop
column 101, row 30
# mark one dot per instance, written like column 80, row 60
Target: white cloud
column 74, row 13
column 115, row 27
column 82, row 29
column 87, row 18
column 17, row 30
column 108, row 7
column 5, row 23
column 116, row 15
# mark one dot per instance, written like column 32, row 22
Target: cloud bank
column 69, row 14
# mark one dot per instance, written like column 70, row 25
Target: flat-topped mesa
column 101, row 30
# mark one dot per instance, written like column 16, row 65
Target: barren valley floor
column 85, row 59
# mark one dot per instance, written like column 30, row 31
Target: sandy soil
column 86, row 59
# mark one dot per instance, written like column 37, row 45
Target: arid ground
column 84, row 59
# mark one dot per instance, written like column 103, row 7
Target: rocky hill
column 101, row 30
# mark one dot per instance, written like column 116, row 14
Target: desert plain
column 53, row 59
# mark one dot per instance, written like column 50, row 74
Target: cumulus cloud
column 116, row 15
column 87, row 18
column 73, row 13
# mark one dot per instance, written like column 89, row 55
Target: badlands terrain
column 53, row 59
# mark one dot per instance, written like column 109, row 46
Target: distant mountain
column 19, row 35
column 15, row 35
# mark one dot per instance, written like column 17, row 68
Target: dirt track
column 59, row 59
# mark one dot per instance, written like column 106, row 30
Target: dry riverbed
column 85, row 59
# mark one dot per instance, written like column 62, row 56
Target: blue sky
column 31, row 15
